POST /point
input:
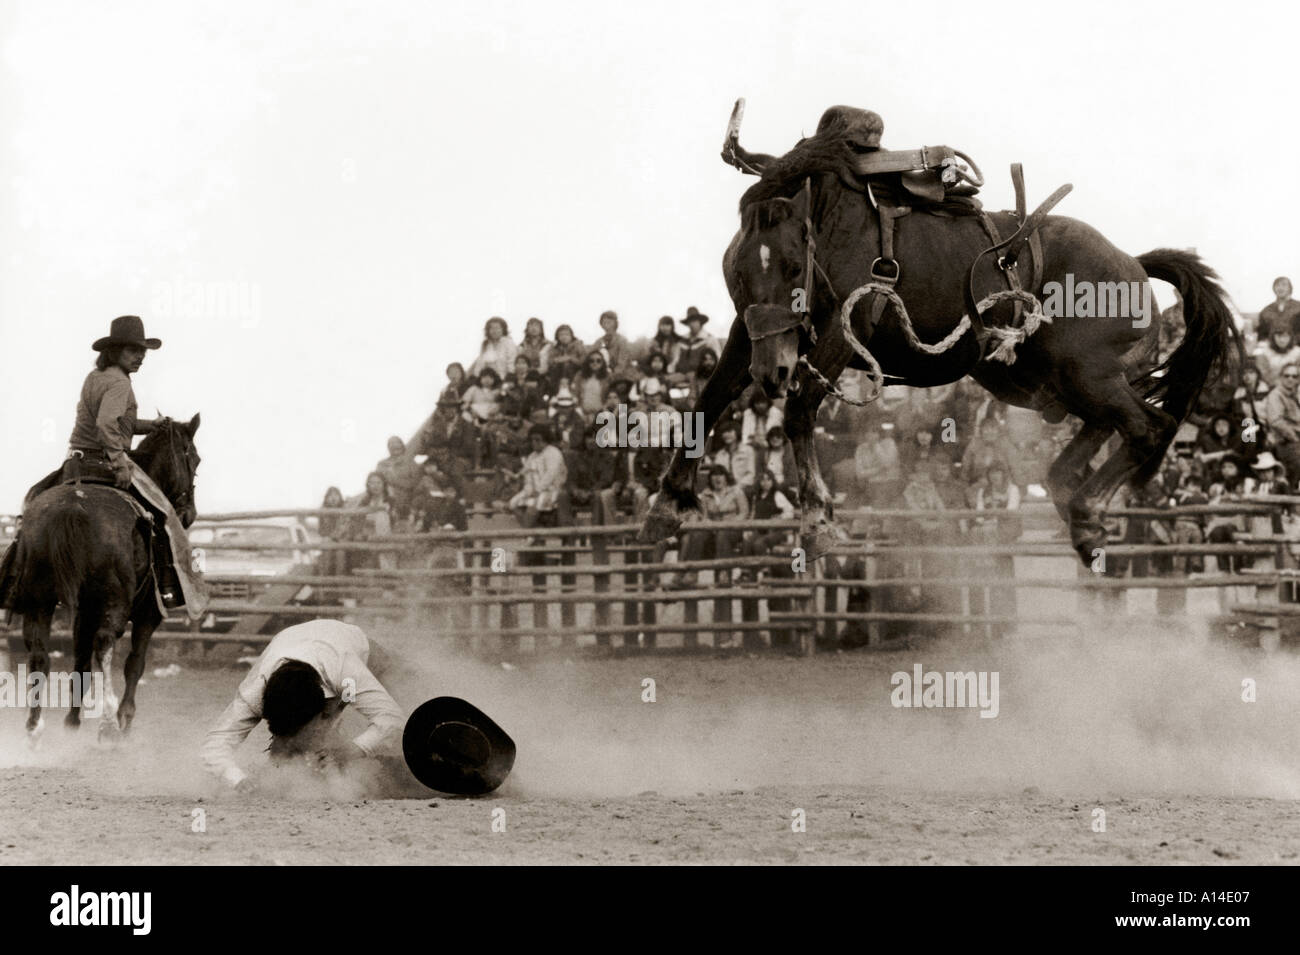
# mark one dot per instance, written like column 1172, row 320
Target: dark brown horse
column 1102, row 369
column 83, row 546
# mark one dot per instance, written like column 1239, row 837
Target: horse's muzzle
column 774, row 352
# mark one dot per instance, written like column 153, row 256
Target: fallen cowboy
column 301, row 685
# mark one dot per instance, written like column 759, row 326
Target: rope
column 1004, row 351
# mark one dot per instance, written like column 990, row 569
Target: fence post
column 600, row 584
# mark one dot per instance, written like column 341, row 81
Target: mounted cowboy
column 98, row 451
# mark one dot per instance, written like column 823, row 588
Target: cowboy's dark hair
column 294, row 696
column 108, row 357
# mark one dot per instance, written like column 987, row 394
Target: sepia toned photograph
column 577, row 434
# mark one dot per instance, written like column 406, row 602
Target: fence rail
column 496, row 586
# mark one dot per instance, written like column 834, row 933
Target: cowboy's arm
column 375, row 704
column 114, row 436
column 231, row 729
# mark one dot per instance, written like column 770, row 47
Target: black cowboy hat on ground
column 126, row 330
column 454, row 747
column 694, row 314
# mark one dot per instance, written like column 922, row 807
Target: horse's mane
column 824, row 152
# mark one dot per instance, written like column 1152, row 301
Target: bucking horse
column 852, row 256
column 89, row 546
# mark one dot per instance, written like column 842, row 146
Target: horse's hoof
column 34, row 733
column 108, row 731
column 823, row 538
column 72, row 721
column 658, row 526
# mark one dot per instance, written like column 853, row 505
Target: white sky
column 379, row 178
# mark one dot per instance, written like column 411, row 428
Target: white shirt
column 339, row 653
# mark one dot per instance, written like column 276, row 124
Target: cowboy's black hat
column 454, row 747
column 126, row 330
column 695, row 314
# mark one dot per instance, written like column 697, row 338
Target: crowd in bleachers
column 515, row 431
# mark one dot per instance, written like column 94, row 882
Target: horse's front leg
column 816, row 511
column 36, row 637
column 677, row 487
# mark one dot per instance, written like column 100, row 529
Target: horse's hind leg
column 1145, row 431
column 83, row 635
column 133, row 669
column 36, row 637
column 1070, row 469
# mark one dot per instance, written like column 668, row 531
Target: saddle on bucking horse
column 936, row 180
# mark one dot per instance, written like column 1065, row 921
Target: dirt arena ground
column 1149, row 728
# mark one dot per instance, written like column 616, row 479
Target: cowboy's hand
column 161, row 422
column 122, row 475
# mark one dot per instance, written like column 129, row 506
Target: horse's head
column 169, row 457
column 771, row 267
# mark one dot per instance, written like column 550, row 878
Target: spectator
column 921, row 494
column 1218, row 439
column 446, row 437
column 769, row 504
column 545, row 474
column 567, row 418
column 919, row 451
column 376, row 523
column 498, row 351
column 1281, row 313
column 1249, row 394
column 778, row 457
column 737, row 459
column 1269, row 477
column 720, row 501
column 664, row 422
column 567, row 355
column 878, row 467
column 988, row 445
column 1282, row 416
column 457, row 381
column 402, row 475
column 590, row 383
column 333, row 563
column 656, row 367
column 435, row 505
column 521, row 395
column 704, row 367
column 759, row 418
column 1272, row 357
column 483, row 400
column 667, row 343
column 611, row 344
column 648, row 465
column 597, row 477
column 688, row 357
column 535, row 347
column 1222, row 528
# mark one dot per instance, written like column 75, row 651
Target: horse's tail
column 67, row 541
column 1211, row 345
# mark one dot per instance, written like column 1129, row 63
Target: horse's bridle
column 184, row 497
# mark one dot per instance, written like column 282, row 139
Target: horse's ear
column 193, row 425
column 801, row 203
